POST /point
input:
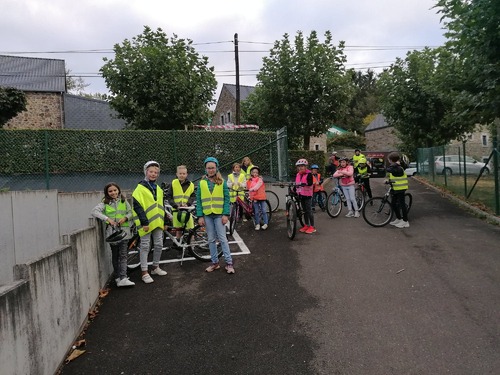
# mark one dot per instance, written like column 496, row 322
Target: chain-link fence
column 464, row 170
column 85, row 160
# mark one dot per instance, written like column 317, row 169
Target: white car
column 454, row 164
column 412, row 169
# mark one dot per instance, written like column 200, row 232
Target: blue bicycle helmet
column 314, row 166
column 211, row 159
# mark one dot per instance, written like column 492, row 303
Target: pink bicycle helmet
column 302, row 162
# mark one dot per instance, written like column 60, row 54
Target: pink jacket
column 346, row 175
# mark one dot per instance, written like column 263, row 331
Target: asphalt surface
column 349, row 299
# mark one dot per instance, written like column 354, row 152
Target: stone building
column 225, row 109
column 48, row 105
column 380, row 136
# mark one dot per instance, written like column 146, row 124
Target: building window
column 229, row 117
column 484, row 140
column 222, row 120
column 316, row 147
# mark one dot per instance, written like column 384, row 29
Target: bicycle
column 293, row 208
column 378, row 211
column 273, row 199
column 244, row 207
column 194, row 240
column 336, row 199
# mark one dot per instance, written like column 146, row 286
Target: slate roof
column 377, row 123
column 244, row 90
column 90, row 114
column 32, row 74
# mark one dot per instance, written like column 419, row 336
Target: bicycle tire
column 273, row 199
column 334, row 204
column 408, row 202
column 324, row 200
column 269, row 211
column 234, row 216
column 377, row 211
column 291, row 219
column 133, row 258
column 360, row 198
column 198, row 244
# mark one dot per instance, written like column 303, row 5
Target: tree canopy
column 303, row 86
column 12, row 102
column 158, row 82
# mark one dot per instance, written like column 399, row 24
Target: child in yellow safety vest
column 317, row 188
column 149, row 217
column 181, row 194
column 236, row 182
column 116, row 212
column 246, row 166
column 212, row 209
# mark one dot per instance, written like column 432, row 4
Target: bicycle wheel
column 268, row 210
column 333, row 204
column 360, row 198
column 377, row 211
column 408, row 201
column 234, row 216
column 322, row 198
column 134, row 244
column 273, row 199
column 291, row 219
column 198, row 244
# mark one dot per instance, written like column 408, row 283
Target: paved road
column 350, row 299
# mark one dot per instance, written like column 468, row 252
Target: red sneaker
column 310, row 230
column 304, row 228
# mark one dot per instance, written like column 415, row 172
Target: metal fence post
column 47, row 174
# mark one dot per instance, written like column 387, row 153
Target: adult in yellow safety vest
column 356, row 157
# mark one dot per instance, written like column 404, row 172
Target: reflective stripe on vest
column 117, row 213
column 212, row 202
column 180, row 196
column 399, row 183
column 240, row 191
column 155, row 211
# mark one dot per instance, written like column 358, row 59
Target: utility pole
column 237, row 66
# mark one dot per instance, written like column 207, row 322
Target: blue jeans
column 259, row 208
column 217, row 231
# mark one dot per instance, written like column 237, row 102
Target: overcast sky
column 375, row 32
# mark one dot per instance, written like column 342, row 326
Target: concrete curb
column 492, row 219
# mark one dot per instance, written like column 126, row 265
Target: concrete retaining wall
column 43, row 311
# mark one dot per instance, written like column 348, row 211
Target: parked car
column 454, row 164
column 412, row 169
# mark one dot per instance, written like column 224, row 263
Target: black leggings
column 306, row 203
column 398, row 204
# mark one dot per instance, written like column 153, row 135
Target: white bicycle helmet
column 301, row 162
column 151, row 163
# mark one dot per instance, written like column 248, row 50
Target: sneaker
column 147, row 279
column 125, row 282
column 117, row 280
column 304, row 228
column 403, row 224
column 395, row 222
column 264, row 227
column 257, row 227
column 244, row 219
column 158, row 271
column 229, row 268
column 212, row 267
column 350, row 214
column 310, row 230
column 356, row 214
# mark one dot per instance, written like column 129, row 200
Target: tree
column 364, row 102
column 303, row 87
column 74, row 84
column 159, row 83
column 12, row 102
column 474, row 58
column 415, row 103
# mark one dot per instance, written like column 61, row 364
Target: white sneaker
column 257, row 227
column 403, row 224
column 395, row 222
column 350, row 214
column 147, row 279
column 356, row 214
column 125, row 282
column 264, row 227
column 117, row 280
column 158, row 271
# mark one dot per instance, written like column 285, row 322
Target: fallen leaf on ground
column 74, row 354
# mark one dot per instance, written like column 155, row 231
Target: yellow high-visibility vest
column 155, row 211
column 212, row 202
